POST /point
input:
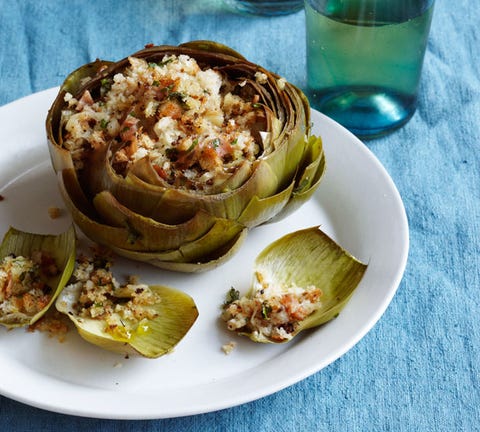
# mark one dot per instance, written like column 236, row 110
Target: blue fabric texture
column 418, row 369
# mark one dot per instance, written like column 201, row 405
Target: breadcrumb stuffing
column 189, row 123
column 54, row 323
column 24, row 288
column 272, row 311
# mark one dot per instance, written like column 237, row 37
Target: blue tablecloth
column 418, row 369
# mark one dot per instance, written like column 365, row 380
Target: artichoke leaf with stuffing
column 34, row 268
column 300, row 281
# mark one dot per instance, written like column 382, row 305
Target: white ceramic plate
column 357, row 204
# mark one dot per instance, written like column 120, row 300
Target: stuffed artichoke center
column 191, row 124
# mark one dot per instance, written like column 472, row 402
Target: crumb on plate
column 54, row 323
column 54, row 212
column 229, row 347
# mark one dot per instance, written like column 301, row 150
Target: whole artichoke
column 175, row 172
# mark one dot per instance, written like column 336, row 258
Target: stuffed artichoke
column 172, row 154
column 300, row 281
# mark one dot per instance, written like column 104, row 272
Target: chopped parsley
column 232, row 295
column 106, row 83
column 165, row 62
column 266, row 310
column 193, row 145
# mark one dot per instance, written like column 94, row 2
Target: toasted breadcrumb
column 192, row 125
column 273, row 311
column 54, row 323
column 229, row 347
column 24, row 288
column 54, row 212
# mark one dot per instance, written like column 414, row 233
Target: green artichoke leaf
column 149, row 233
column 14, row 311
column 302, row 280
column 313, row 165
column 285, row 160
column 176, row 262
column 164, row 204
column 73, row 84
column 153, row 337
column 220, row 234
column 199, row 237
column 72, row 193
column 213, row 47
column 85, row 216
column 144, row 170
column 262, row 210
column 210, row 250
column 309, row 177
column 135, row 236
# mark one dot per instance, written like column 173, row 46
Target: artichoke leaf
column 207, row 263
column 73, row 84
column 123, row 229
column 78, row 80
column 285, row 160
column 262, row 183
column 159, row 203
column 94, row 230
column 152, row 338
column 61, row 248
column 262, row 210
column 144, row 170
column 313, row 166
column 151, row 233
column 308, row 180
column 276, row 207
column 220, row 234
column 72, row 193
column 303, row 264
